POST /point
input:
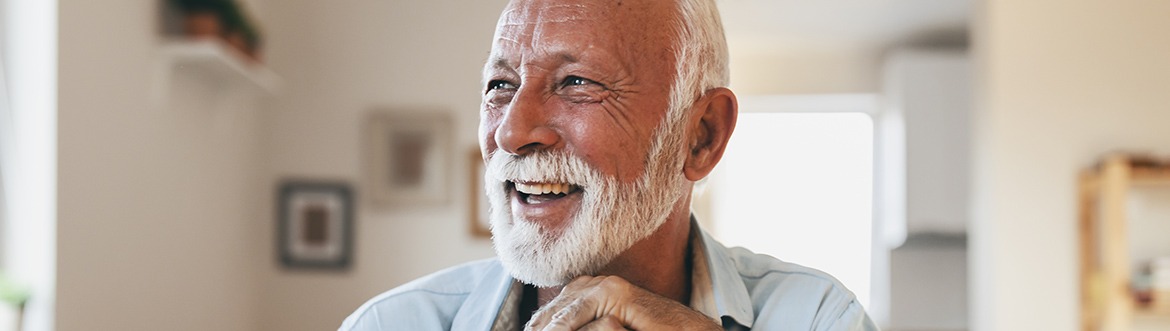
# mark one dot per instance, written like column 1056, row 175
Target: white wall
column 1060, row 83
column 158, row 205
column 340, row 61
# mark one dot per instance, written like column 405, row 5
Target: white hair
column 701, row 59
column 700, row 54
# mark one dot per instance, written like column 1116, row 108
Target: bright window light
column 798, row 186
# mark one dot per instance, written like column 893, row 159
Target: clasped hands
column 612, row 303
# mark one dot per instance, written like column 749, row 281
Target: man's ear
column 710, row 126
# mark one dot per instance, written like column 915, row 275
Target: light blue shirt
column 741, row 289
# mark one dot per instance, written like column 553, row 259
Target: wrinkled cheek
column 488, row 123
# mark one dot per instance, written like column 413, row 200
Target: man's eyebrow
column 568, row 58
column 502, row 63
column 499, row 63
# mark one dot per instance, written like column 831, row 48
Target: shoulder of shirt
column 452, row 283
column 770, row 281
column 753, row 265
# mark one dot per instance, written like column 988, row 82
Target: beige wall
column 158, row 201
column 342, row 60
column 165, row 208
column 759, row 70
column 1061, row 84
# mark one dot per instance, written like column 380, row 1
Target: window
column 29, row 61
column 798, row 186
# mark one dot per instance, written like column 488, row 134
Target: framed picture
column 477, row 201
column 409, row 158
column 315, row 225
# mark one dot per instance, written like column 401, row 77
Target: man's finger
column 574, row 315
column 555, row 312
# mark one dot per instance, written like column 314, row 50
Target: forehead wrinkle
column 558, row 14
column 553, row 35
column 521, row 16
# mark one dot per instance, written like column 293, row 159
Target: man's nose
column 525, row 127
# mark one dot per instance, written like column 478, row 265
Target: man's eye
column 575, row 81
column 500, row 84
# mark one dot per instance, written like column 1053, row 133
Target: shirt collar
column 484, row 302
column 723, row 289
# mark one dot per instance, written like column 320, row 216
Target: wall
column 158, row 199
column 1060, row 83
column 760, row 70
column 341, row 61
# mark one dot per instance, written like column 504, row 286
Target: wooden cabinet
column 1107, row 265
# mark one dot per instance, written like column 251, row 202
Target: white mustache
column 541, row 167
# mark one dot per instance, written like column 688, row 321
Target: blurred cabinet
column 1108, row 298
column 926, row 157
column 930, row 91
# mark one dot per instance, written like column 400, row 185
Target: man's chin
column 536, row 274
column 539, row 258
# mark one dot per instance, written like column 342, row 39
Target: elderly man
column 597, row 119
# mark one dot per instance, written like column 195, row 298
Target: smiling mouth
column 534, row 193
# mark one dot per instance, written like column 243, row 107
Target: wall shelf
column 1107, row 302
column 217, row 58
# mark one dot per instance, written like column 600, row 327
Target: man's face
column 575, row 98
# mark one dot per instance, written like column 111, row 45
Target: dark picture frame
column 315, row 224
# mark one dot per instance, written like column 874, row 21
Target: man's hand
column 612, row 303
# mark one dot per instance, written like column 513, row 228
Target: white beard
column 601, row 229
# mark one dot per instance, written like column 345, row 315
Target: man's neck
column 660, row 263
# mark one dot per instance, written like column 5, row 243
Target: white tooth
column 526, row 188
column 545, row 188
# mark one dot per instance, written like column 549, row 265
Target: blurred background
column 270, row 165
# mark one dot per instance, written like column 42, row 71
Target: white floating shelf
column 217, row 58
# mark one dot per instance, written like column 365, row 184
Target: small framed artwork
column 409, row 158
column 315, row 225
column 478, row 204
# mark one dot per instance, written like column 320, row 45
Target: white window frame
column 889, row 226
column 29, row 29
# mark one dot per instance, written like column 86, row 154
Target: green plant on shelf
column 12, row 292
column 223, row 19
